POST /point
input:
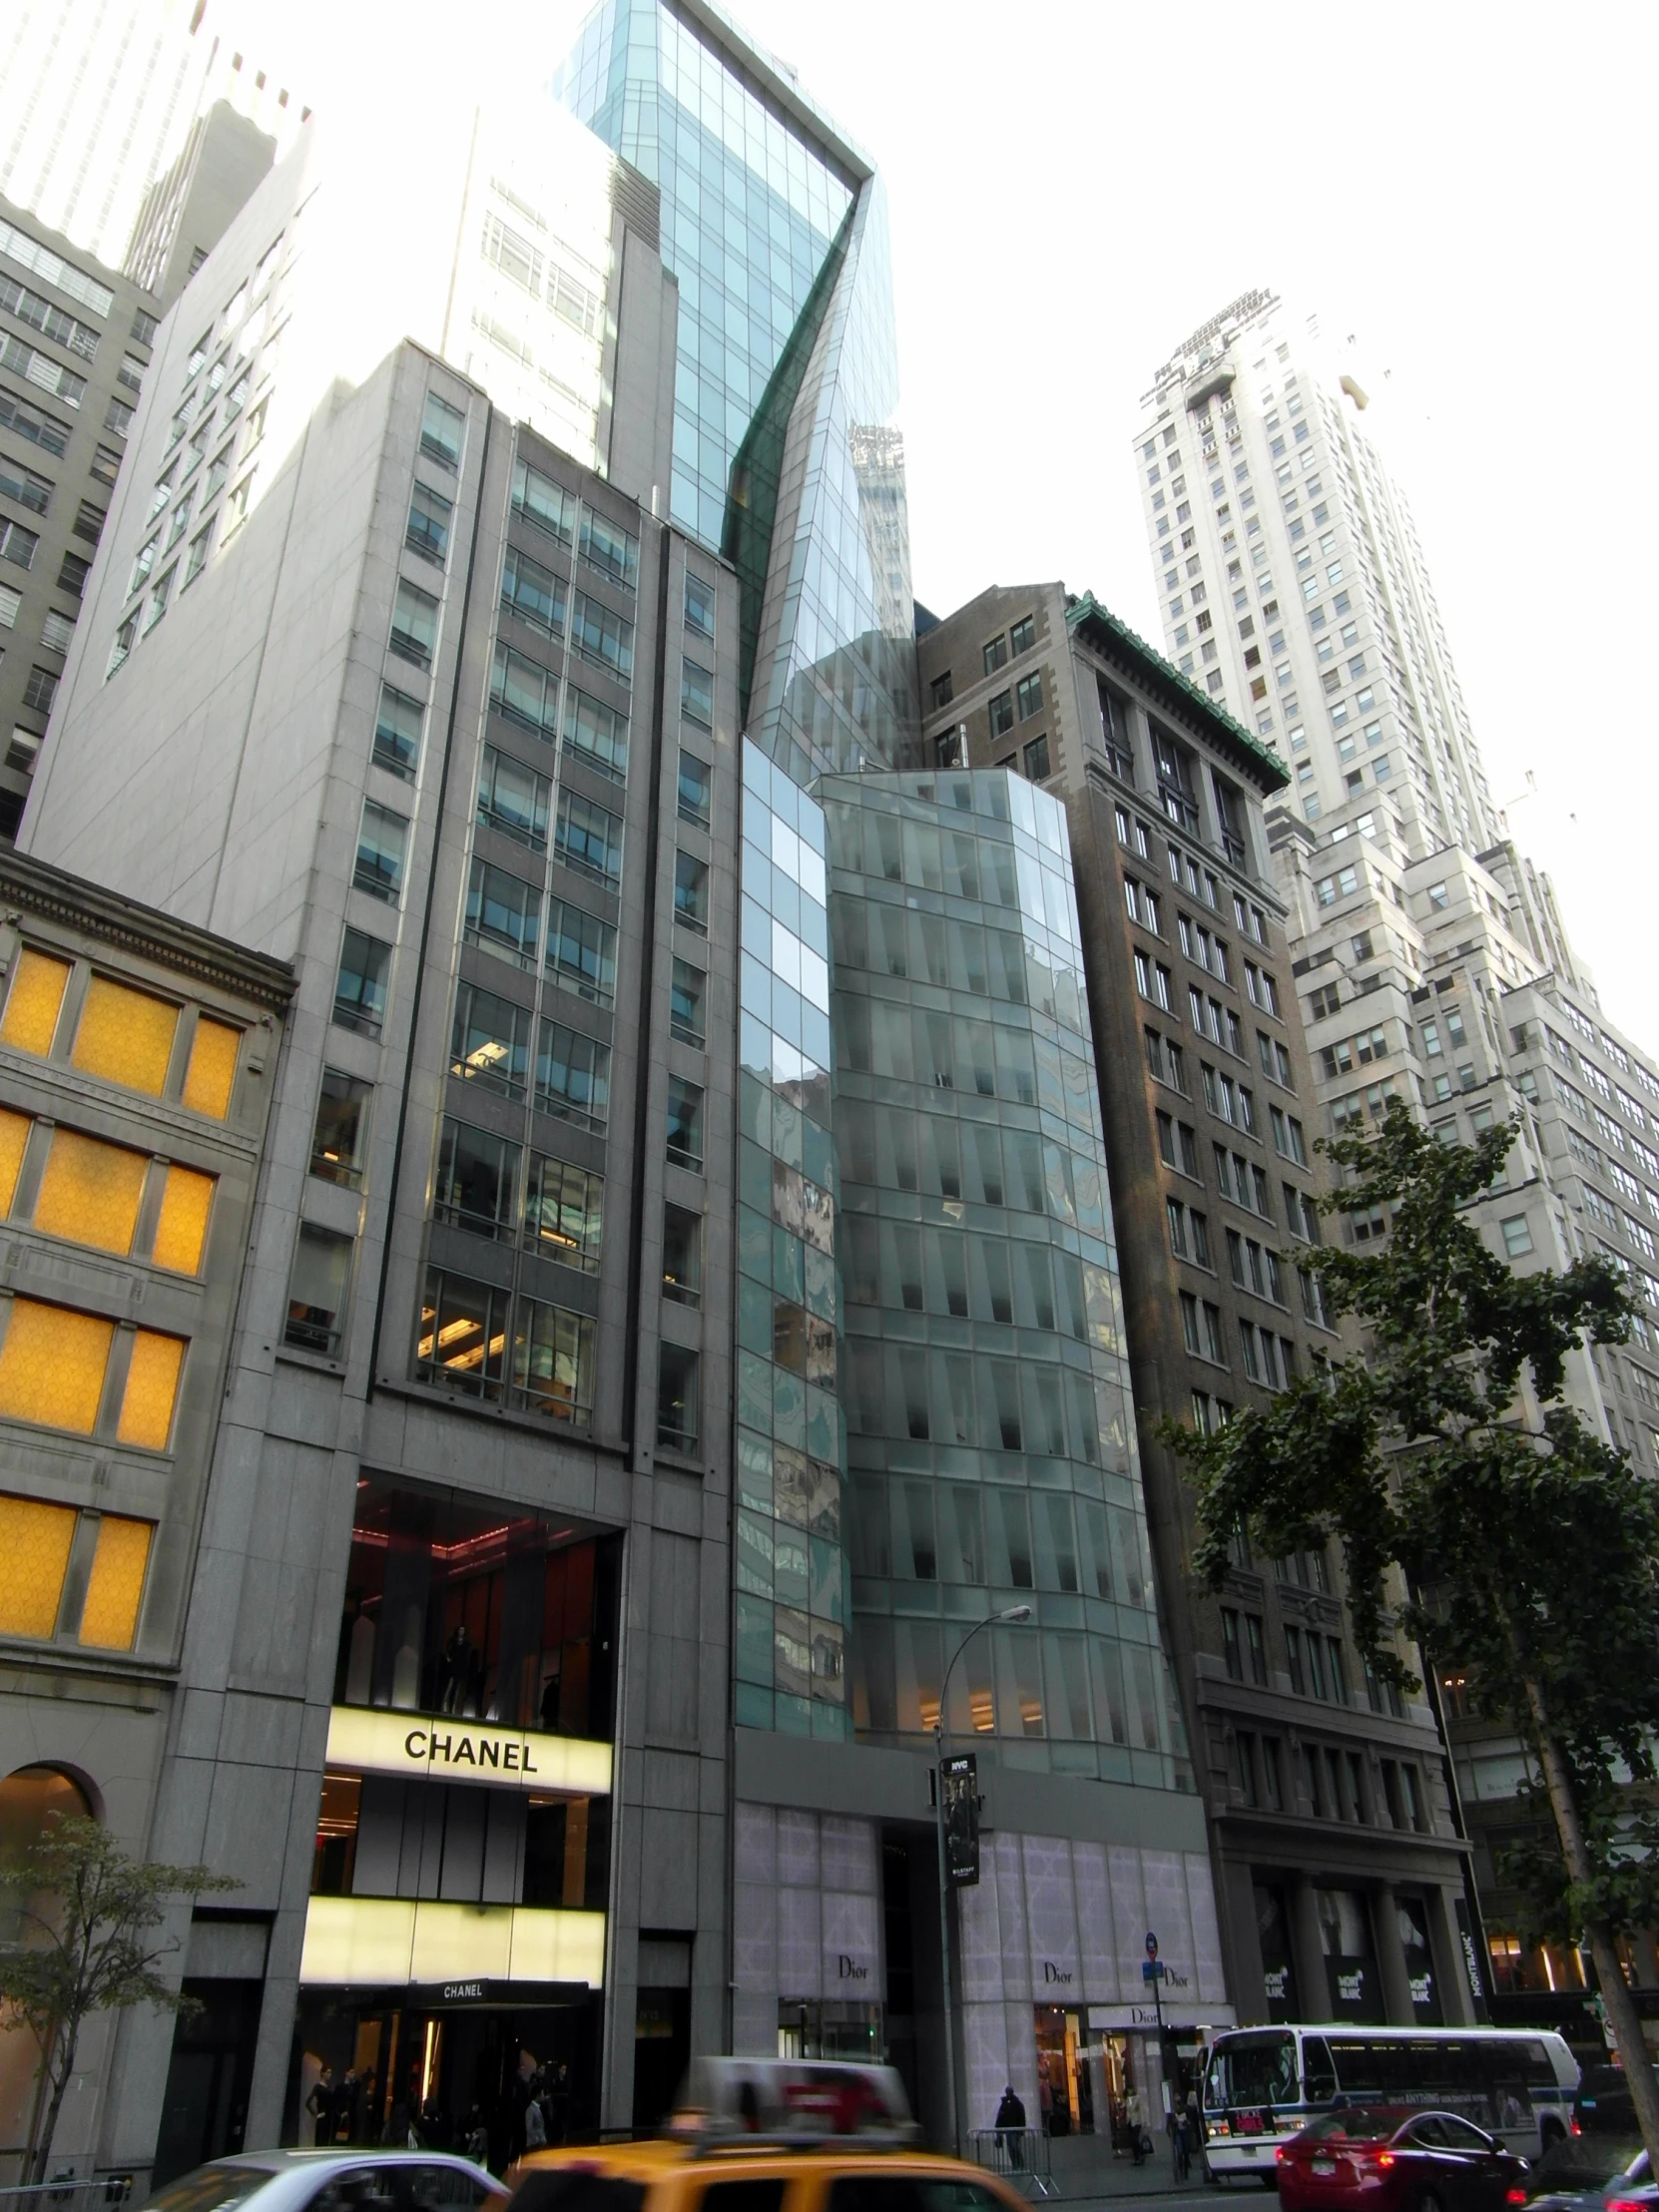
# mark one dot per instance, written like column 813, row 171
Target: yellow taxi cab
column 768, row 2135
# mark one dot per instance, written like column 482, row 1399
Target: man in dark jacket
column 1011, row 2128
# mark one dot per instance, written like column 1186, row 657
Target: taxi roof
column 651, row 2161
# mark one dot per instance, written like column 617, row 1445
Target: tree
column 1444, row 1462
column 88, row 1911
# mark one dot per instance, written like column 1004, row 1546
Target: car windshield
column 1252, row 2069
column 1356, row 2126
column 210, row 2190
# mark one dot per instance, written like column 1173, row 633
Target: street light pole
column 941, row 1744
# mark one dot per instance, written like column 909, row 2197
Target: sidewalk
column 1084, row 2173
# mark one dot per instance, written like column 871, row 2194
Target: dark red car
column 1388, row 2158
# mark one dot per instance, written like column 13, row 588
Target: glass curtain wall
column 786, row 457
column 990, row 1432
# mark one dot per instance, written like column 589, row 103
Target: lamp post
column 942, row 1741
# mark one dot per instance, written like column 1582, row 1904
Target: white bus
column 1263, row 2083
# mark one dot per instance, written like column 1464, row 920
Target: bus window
column 1319, row 2070
column 1252, row 2070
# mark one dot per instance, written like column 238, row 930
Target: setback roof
column 1253, row 759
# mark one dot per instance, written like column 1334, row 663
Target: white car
column 334, row 2180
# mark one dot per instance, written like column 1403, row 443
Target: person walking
column 1011, row 2129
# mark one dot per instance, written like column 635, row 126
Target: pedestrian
column 1140, row 2142
column 1175, row 2126
column 1011, row 2129
column 323, row 2104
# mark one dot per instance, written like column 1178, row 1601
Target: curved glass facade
column 990, row 1432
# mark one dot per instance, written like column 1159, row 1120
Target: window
column 339, row 1135
column 685, row 1003
column 1288, row 1137
column 608, row 548
column 695, row 778
column 532, row 593
column 597, row 733
column 1518, row 1237
column 1022, row 635
column 57, row 632
column 19, row 546
column 603, row 637
column 1036, row 760
column 581, row 953
column 588, row 838
column 316, row 1288
column 677, row 1395
column 477, row 1180
column 415, row 624
column 996, row 655
column 1028, row 696
column 503, row 912
column 564, row 1212
column 699, row 608
column 1438, row 897
column 553, row 1362
column 52, row 437
column 512, row 799
column 691, row 893
column 1175, row 781
column 398, row 733
column 697, row 694
column 360, row 986
column 1002, row 712
column 682, row 1256
column 685, row 1124
column 442, row 428
column 573, row 1077
column 548, row 505
column 161, row 596
column 939, row 692
column 40, row 690
column 464, row 1335
column 382, row 839
column 197, row 559
column 1114, row 723
column 1231, row 1644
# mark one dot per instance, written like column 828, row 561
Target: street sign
column 1152, row 1969
column 1151, row 1945
column 961, row 1784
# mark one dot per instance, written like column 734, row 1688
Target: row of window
column 1332, row 1781
column 994, row 654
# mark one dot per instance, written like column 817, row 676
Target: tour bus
column 1263, row 2083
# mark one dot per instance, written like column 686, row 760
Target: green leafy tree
column 1445, row 1464
column 86, row 1917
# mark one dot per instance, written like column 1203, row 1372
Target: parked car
column 1585, row 2185
column 333, row 2181
column 1604, row 2105
column 1390, row 2158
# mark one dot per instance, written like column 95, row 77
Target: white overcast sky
column 1072, row 188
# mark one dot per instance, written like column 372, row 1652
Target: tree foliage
column 1475, row 1509
column 87, row 1914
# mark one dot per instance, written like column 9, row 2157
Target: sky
column 1071, row 189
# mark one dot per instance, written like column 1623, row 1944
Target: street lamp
column 942, row 1741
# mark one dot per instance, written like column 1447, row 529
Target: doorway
column 1065, row 2094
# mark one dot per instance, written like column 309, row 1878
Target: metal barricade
column 86, row 2193
column 1018, row 2154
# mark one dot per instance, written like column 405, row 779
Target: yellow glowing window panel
column 213, row 1069
column 52, row 1365
column 183, row 1228
column 110, row 1616
column 152, row 1388
column 14, row 1134
column 34, row 1002
column 34, row 1554
column 126, row 1036
column 90, row 1192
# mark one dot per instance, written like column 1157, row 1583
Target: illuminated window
column 108, row 1619
column 14, row 1134
column 52, row 1365
column 182, row 1229
column 152, row 1391
column 34, row 1002
column 213, row 1067
column 126, row 1036
column 33, row 1556
column 90, row 1192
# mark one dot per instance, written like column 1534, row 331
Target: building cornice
column 33, row 886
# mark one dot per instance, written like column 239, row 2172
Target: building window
column 442, row 428
column 996, row 655
column 691, row 893
column 581, row 953
column 697, row 694
column 339, row 1134
column 676, row 1398
column 696, row 778
column 553, row 1362
column 361, row 988
column 533, row 593
column 1023, row 636
column 685, row 1124
column 1518, row 1237
column 597, row 733
column 700, row 606
column 503, row 914
column 939, row 692
column 603, row 637
column 382, row 841
column 573, row 1077
column 512, row 799
column 685, row 1003
column 477, row 1180
column 316, row 1288
column 427, row 530
column 682, row 1256
column 415, row 624
column 610, row 549
column 1036, row 760
column 464, row 1335
column 1002, row 712
column 564, row 1208
column 1028, row 696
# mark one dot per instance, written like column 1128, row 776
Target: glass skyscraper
column 786, row 454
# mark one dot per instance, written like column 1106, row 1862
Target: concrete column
column 1391, row 1957
column 1451, row 1972
column 1313, row 1990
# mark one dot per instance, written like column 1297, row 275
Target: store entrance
column 456, row 2071
column 1065, row 2092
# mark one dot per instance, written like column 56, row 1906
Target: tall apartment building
column 75, row 342
column 138, row 1060
column 1337, row 1866
column 98, row 99
column 1293, row 588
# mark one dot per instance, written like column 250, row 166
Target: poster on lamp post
column 961, row 1820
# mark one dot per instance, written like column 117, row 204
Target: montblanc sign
column 443, row 1749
